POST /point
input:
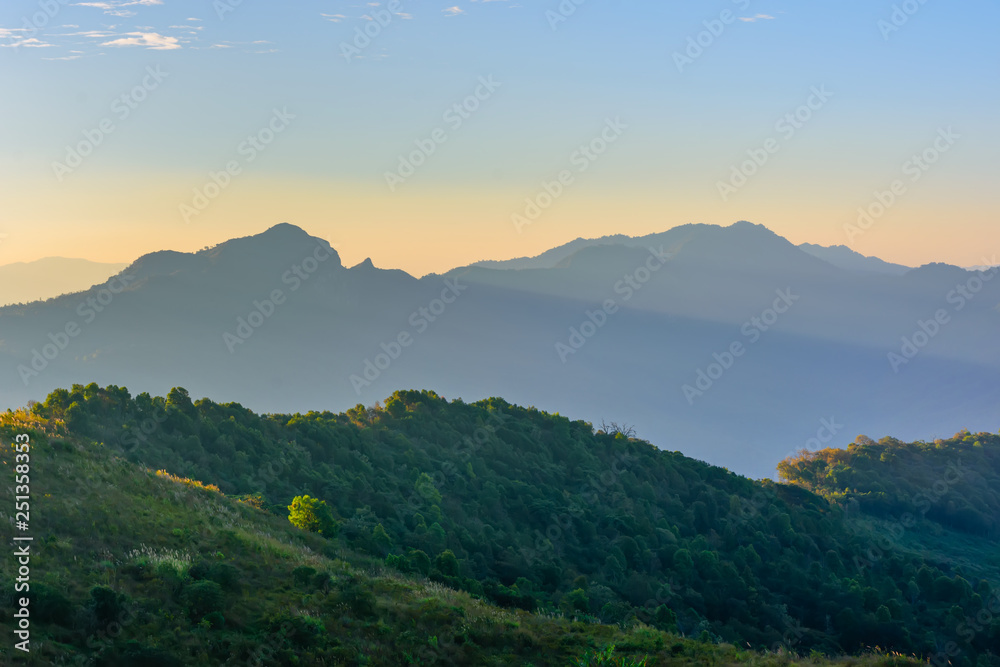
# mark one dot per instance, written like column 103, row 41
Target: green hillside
column 954, row 483
column 468, row 534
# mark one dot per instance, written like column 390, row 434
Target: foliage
column 313, row 515
column 955, row 483
column 456, row 521
column 607, row 657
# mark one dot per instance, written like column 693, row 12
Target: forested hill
column 955, row 482
column 530, row 510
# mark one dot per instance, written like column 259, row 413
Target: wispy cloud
column 150, row 40
column 31, row 42
column 74, row 55
column 248, row 47
column 95, row 34
column 114, row 7
column 453, row 11
column 16, row 39
column 755, row 18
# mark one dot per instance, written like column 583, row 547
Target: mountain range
column 729, row 344
column 24, row 282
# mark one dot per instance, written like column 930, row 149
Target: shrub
column 226, row 575
column 301, row 631
column 50, row 606
column 106, row 604
column 665, row 618
column 608, row 657
column 203, row 597
column 215, row 620
column 134, row 654
column 359, row 600
column 303, row 574
column 322, row 581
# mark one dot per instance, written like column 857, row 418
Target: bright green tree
column 312, row 514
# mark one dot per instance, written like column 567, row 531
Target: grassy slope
column 100, row 521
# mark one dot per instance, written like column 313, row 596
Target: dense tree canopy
column 534, row 511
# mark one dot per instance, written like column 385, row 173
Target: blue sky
column 228, row 66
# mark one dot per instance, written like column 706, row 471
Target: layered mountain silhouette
column 24, row 282
column 845, row 258
column 840, row 256
column 729, row 344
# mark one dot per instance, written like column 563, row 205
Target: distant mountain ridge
column 276, row 322
column 24, row 282
column 845, row 258
column 840, row 256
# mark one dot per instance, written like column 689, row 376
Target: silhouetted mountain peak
column 939, row 270
column 277, row 240
column 845, row 258
column 741, row 225
column 743, row 244
column 271, row 252
column 283, row 231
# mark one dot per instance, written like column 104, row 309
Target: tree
column 616, row 429
column 882, row 614
column 203, row 597
column 107, row 605
column 426, row 488
column 418, row 561
column 381, row 540
column 576, row 601
column 447, row 563
column 665, row 618
column 683, row 561
column 312, row 514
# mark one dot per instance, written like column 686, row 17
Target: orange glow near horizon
column 432, row 230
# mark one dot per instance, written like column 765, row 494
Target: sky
column 428, row 135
